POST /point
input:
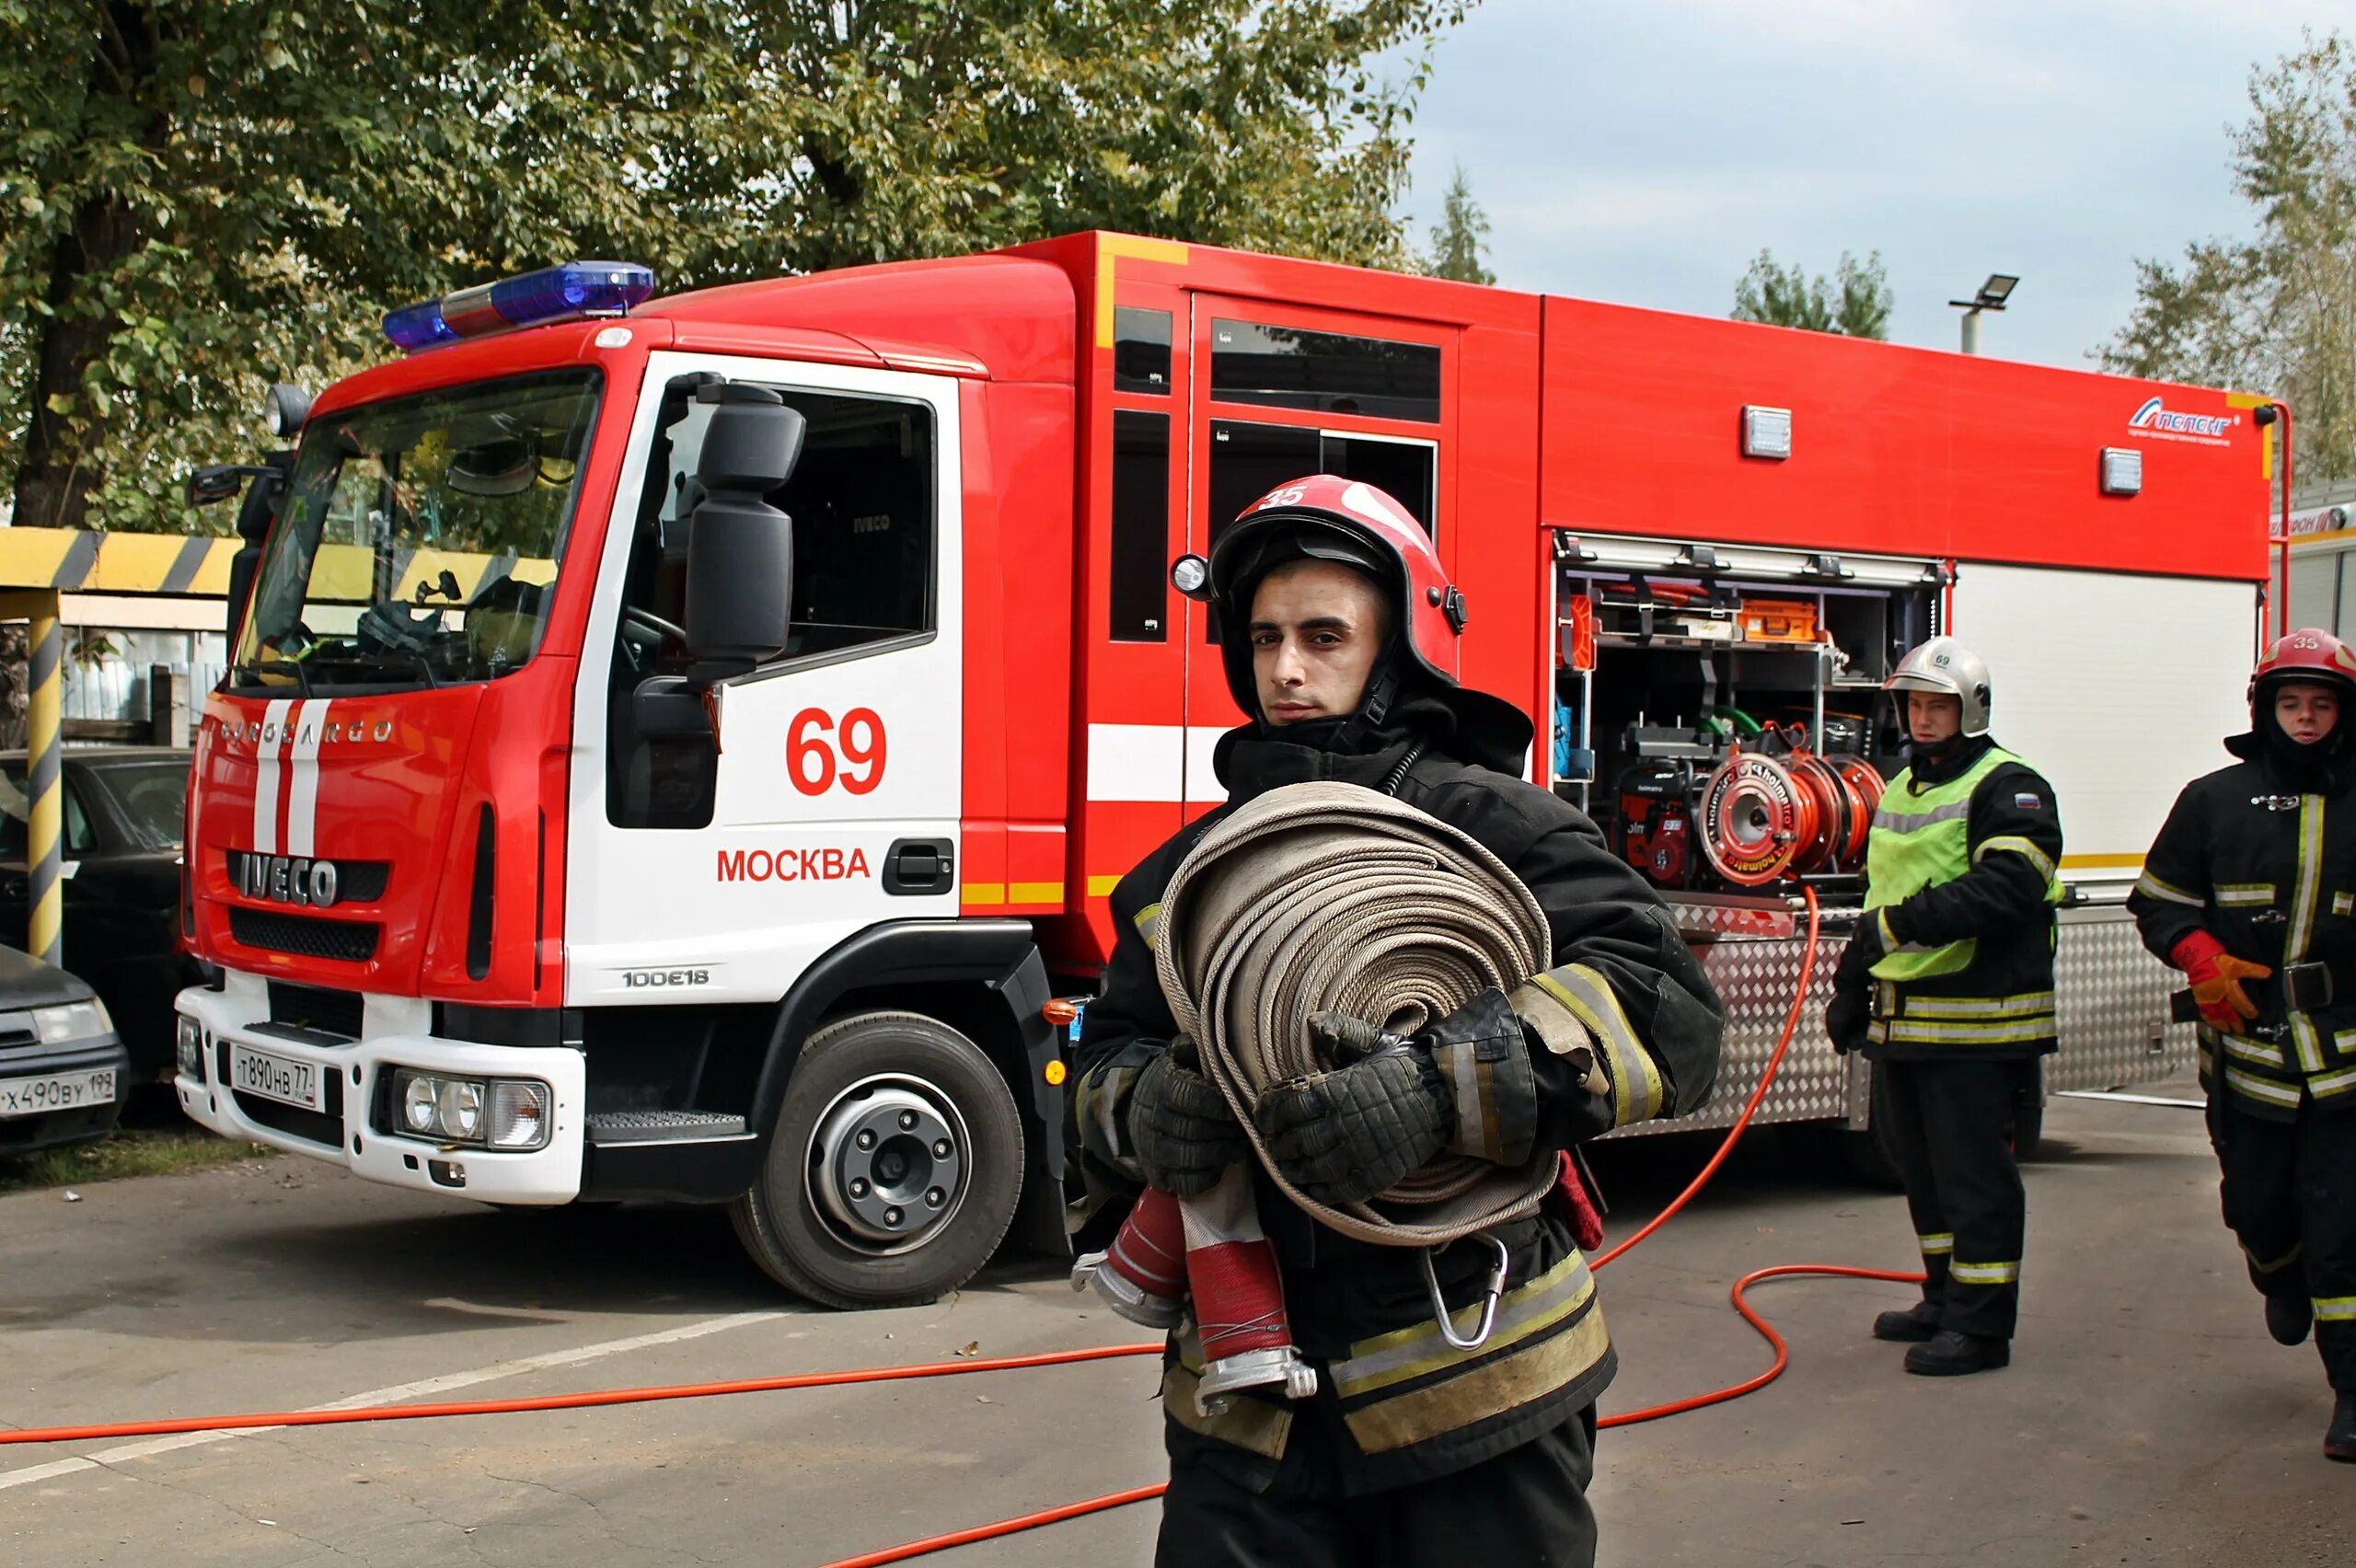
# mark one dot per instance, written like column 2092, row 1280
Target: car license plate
column 59, row 1091
column 275, row 1078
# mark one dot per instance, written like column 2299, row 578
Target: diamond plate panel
column 2113, row 1000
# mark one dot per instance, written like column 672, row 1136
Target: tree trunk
column 60, row 467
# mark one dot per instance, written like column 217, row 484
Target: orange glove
column 2217, row 977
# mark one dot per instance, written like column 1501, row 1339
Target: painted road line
column 399, row 1393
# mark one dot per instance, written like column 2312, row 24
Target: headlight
column 192, row 1049
column 74, row 1020
column 504, row 1113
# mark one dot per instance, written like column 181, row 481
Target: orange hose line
column 1004, row 1527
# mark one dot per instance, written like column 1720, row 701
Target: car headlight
column 73, row 1020
column 190, row 1048
column 502, row 1113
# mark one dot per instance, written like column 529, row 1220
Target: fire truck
column 681, row 748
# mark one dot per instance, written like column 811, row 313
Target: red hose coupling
column 1142, row 1275
column 1238, row 1297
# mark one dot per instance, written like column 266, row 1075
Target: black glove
column 1179, row 1123
column 1865, row 951
column 1343, row 1136
column 1846, row 1020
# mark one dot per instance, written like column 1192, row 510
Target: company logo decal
column 2156, row 419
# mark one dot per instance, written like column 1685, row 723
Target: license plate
column 275, row 1078
column 60, row 1091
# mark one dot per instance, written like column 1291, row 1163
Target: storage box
column 1778, row 620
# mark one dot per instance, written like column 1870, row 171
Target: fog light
column 417, row 1104
column 519, row 1115
column 192, row 1049
column 460, row 1109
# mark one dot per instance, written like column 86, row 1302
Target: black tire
column 802, row 1222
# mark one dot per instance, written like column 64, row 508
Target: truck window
column 1327, row 372
column 1140, row 591
column 1141, row 351
column 862, row 501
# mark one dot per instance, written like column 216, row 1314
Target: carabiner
column 1489, row 1296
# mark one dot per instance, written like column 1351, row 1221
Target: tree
column 2276, row 313
column 1460, row 238
column 1853, row 303
column 202, row 196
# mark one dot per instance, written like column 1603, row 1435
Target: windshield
column 154, row 798
column 420, row 542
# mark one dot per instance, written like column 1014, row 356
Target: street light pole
column 1992, row 296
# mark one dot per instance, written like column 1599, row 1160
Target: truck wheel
column 894, row 1168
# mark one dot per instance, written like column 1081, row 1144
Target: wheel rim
column 888, row 1164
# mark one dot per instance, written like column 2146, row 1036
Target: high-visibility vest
column 1921, row 840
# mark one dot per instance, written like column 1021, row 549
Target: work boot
column 2339, row 1443
column 2288, row 1318
column 1917, row 1323
column 1951, row 1355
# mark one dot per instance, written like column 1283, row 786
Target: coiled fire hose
column 907, row 1550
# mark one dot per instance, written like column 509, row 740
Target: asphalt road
column 2147, row 1418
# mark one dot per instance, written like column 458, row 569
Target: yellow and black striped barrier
column 75, row 560
column 45, row 820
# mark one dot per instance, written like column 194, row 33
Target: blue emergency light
column 553, row 294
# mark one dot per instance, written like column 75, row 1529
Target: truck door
column 1287, row 390
column 698, row 872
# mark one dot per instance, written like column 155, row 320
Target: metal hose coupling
column 1142, row 1275
column 1238, row 1297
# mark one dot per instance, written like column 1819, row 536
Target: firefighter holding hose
column 2250, row 889
column 1947, row 987
column 1338, row 632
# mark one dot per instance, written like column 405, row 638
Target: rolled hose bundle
column 1323, row 896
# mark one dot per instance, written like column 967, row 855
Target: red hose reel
column 1764, row 818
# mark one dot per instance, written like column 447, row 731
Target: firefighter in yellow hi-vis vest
column 1947, row 987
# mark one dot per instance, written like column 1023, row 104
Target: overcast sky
column 1644, row 152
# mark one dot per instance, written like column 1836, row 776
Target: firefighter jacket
column 2269, row 869
column 1962, row 872
column 1395, row 1404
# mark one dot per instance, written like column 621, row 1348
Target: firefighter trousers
column 1949, row 1126
column 1524, row 1508
column 2290, row 1197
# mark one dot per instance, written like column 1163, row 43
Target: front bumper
column 353, row 1131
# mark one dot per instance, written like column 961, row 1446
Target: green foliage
column 1460, row 238
column 1853, row 303
column 2276, row 313
column 199, row 197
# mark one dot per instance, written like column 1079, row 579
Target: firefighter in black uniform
column 1339, row 634
column 2250, row 889
column 1947, row 987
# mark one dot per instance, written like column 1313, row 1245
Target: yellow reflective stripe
column 2326, row 1086
column 1635, row 1080
column 2343, row 904
column 2240, row 895
column 2253, row 1051
column 2153, row 887
column 2010, row 843
column 1926, row 1032
column 1894, row 818
column 1406, row 1354
column 2285, row 1262
column 2303, row 906
column 1984, row 1274
column 1484, row 1390
column 2285, row 1094
column 1935, row 1245
column 2335, row 1308
column 1148, row 921
column 2310, row 1044
column 1980, row 1007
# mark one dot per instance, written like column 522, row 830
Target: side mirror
column 218, row 482
column 740, row 548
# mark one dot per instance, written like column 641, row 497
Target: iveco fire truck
column 681, row 748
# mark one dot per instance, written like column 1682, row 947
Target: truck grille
column 305, row 935
column 316, row 1008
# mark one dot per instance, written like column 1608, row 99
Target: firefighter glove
column 2217, row 977
column 1866, row 949
column 1344, row 1135
column 1483, row 1058
column 1846, row 1019
column 1180, row 1125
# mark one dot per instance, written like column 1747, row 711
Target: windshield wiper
column 260, row 672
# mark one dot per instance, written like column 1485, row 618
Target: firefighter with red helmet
column 2250, row 890
column 1947, row 987
column 1339, row 631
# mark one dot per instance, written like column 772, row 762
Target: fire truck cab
column 681, row 749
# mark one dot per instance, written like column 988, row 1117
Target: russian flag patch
column 2029, row 802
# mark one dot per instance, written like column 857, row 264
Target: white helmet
column 1943, row 665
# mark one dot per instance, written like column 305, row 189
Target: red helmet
column 2309, row 653
column 1323, row 517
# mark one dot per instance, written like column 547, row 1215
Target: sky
column 1644, row 152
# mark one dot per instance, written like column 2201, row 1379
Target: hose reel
column 1766, row 818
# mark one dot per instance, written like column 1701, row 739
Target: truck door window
column 1141, row 351
column 1140, row 594
column 1327, row 372
column 862, row 501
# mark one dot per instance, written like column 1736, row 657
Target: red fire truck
column 682, row 749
